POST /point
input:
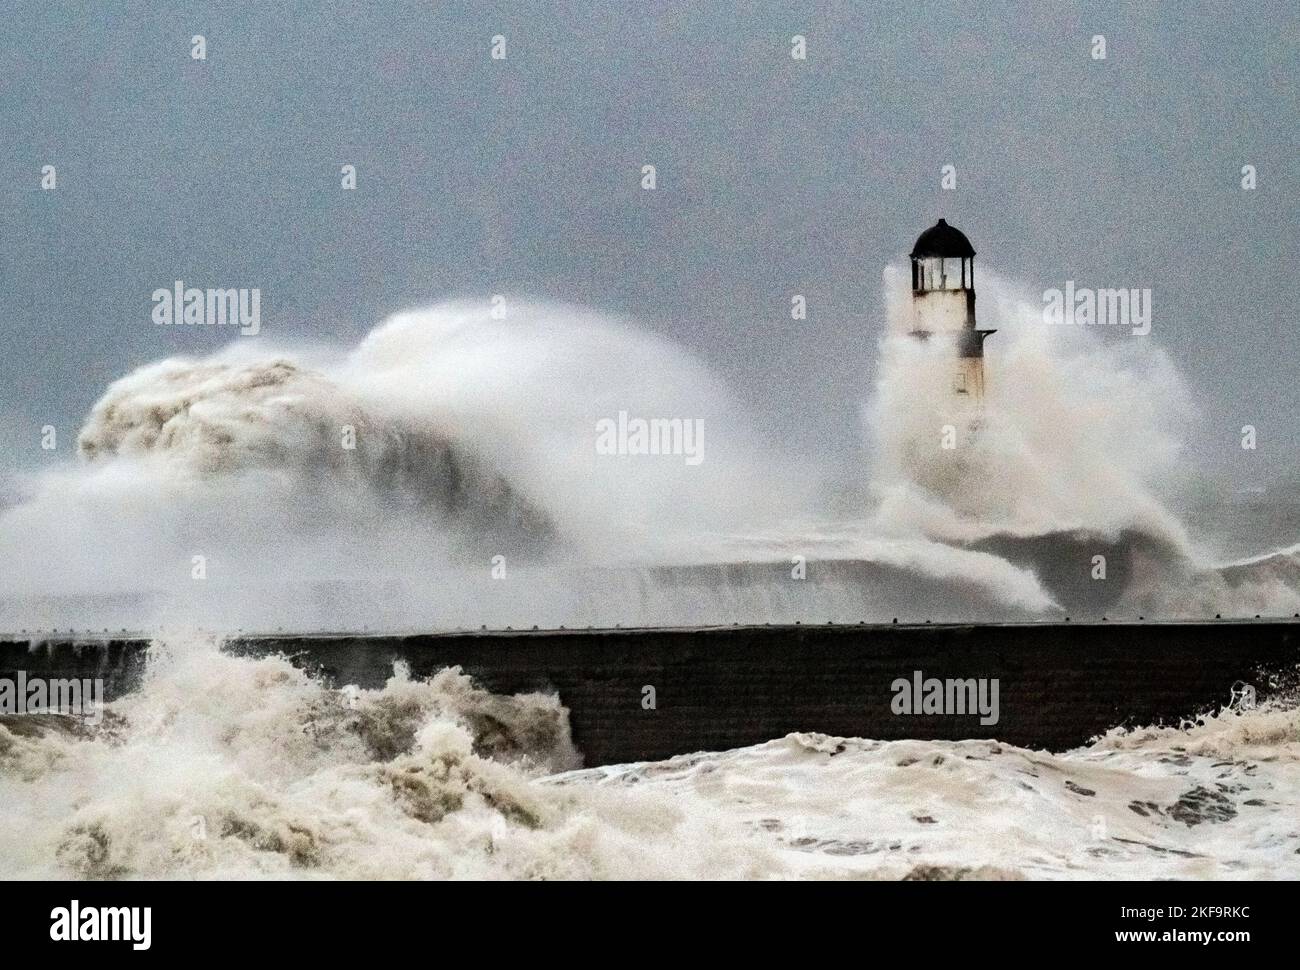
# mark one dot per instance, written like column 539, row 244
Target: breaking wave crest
column 396, row 485
column 223, row 766
column 303, row 432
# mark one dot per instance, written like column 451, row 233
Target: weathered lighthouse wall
column 940, row 311
column 952, row 382
column 969, row 377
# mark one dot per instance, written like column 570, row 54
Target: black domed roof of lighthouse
column 944, row 241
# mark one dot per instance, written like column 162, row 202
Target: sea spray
column 446, row 474
column 1074, row 433
column 1067, row 469
column 222, row 766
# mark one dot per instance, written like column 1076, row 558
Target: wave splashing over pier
column 446, row 473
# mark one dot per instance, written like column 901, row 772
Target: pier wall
column 714, row 689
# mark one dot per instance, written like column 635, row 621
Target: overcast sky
column 776, row 176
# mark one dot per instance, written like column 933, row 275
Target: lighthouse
column 943, row 307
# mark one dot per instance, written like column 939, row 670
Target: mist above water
column 445, row 473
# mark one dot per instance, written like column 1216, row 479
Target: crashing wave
column 227, row 418
column 224, row 766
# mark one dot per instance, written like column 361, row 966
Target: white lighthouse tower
column 943, row 307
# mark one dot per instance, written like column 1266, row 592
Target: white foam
column 475, row 439
column 229, row 767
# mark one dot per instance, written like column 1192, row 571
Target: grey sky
column 522, row 176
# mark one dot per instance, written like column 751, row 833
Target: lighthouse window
column 939, row 273
column 959, row 382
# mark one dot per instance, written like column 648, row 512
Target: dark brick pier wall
column 1059, row 684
